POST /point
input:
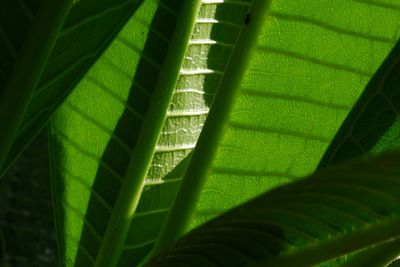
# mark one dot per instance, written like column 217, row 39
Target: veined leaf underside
column 208, row 53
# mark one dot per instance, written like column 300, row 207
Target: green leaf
column 102, row 164
column 373, row 124
column 93, row 142
column 371, row 127
column 279, row 116
column 331, row 213
column 116, row 170
column 27, row 70
column 312, row 61
column 89, row 28
column 123, row 140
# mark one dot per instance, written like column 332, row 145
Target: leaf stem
column 198, row 170
column 133, row 183
column 16, row 96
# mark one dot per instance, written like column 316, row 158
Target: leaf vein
column 82, row 217
column 139, row 245
column 312, row 60
column 81, row 181
column 8, row 43
column 379, row 4
column 269, row 130
column 94, row 17
column 256, row 173
column 167, row 8
column 88, row 154
column 331, row 27
column 302, row 99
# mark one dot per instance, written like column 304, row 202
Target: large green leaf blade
column 331, row 213
column 74, row 52
column 313, row 60
column 81, row 134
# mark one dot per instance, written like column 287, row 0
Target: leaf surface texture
column 74, row 52
column 95, row 132
column 331, row 213
column 313, row 60
column 373, row 124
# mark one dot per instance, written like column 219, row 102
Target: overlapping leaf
column 88, row 29
column 82, row 133
column 373, row 124
column 371, row 127
column 306, row 222
column 96, row 132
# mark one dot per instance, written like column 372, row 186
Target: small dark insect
column 247, row 19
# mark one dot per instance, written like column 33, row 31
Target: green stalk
column 133, row 183
column 16, row 96
column 198, row 170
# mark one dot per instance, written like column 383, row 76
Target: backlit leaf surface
column 312, row 61
column 294, row 97
column 373, row 124
column 331, row 213
column 95, row 133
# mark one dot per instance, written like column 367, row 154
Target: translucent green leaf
column 312, row 61
column 331, row 213
column 87, row 31
column 373, row 124
column 117, row 167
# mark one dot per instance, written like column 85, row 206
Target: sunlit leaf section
column 312, row 61
column 81, row 134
